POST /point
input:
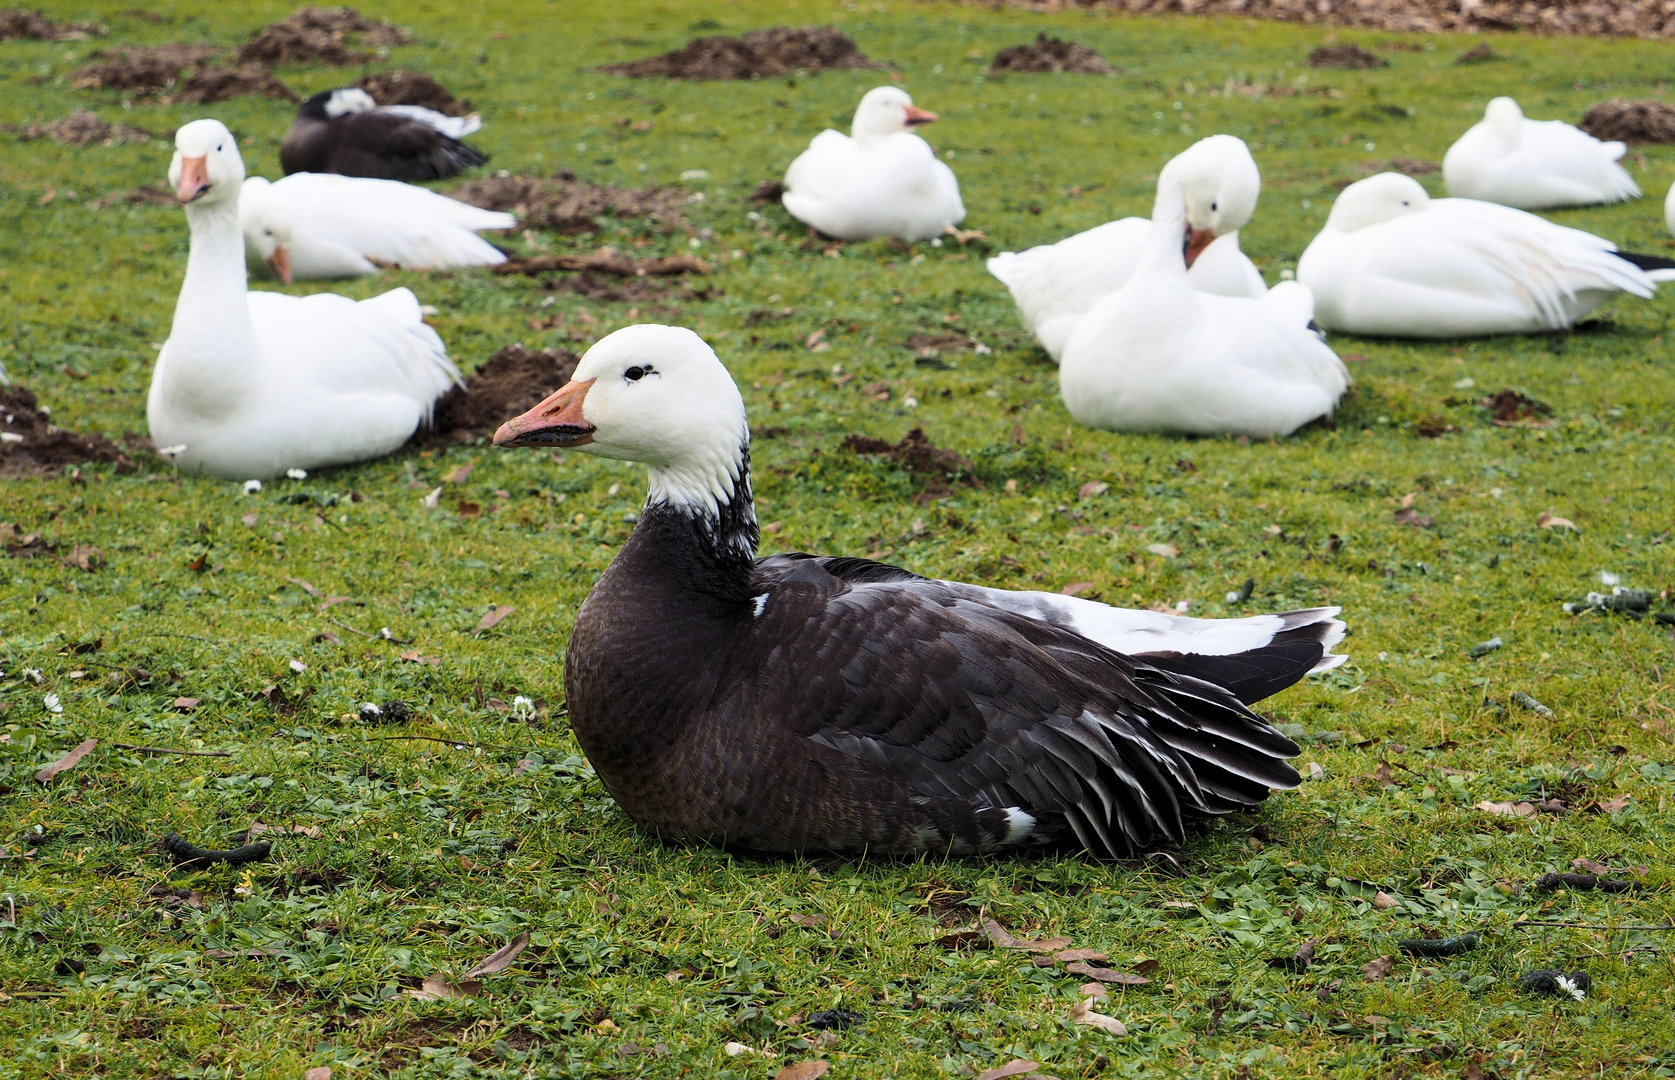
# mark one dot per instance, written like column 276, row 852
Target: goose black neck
column 710, row 551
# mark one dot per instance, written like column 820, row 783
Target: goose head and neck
column 1505, row 119
column 331, row 104
column 1375, row 200
column 886, row 111
column 267, row 231
column 1219, row 184
column 660, row 396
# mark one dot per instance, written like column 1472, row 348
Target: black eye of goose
column 1213, row 207
column 637, row 372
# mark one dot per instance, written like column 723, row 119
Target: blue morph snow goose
column 805, row 703
column 345, row 131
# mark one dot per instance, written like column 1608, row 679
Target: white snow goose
column 1159, row 355
column 1534, row 164
column 345, row 131
column 806, row 703
column 250, row 384
column 1392, row 261
column 879, row 180
column 318, row 225
column 1056, row 285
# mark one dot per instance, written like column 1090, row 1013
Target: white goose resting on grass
column 1159, row 355
column 1393, row 261
column 250, row 384
column 1056, row 285
column 321, row 225
column 807, row 703
column 1534, row 164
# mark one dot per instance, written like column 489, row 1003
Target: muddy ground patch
column 777, row 50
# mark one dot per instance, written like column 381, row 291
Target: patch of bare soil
column 512, row 381
column 1602, row 18
column 31, row 446
column 768, row 191
column 149, row 195
column 1509, row 407
column 591, row 285
column 346, row 20
column 917, row 455
column 1410, row 166
column 412, row 88
column 606, row 260
column 19, row 25
column 221, row 83
column 140, row 70
column 1344, row 56
column 928, row 346
column 83, row 128
column 1480, row 55
column 567, row 205
column 319, row 35
column 778, row 50
column 1051, row 55
column 1631, row 121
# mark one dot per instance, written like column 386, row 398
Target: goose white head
column 1221, row 184
column 267, row 232
column 652, row 394
column 1375, row 200
column 207, row 169
column 349, row 99
column 886, row 111
column 1504, row 115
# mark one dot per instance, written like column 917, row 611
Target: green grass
column 429, row 856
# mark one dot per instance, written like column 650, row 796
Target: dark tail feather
column 1248, row 676
column 1646, row 262
column 450, row 157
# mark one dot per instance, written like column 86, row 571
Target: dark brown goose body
column 798, row 703
column 372, row 143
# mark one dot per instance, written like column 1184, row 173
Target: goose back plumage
column 337, row 132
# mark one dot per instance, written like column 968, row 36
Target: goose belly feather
column 893, row 186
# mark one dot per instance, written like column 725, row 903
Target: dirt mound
column 150, row 195
column 412, row 88
column 1630, row 121
column 1606, row 18
column 140, row 70
column 567, row 205
column 221, row 83
column 592, row 285
column 19, row 25
column 1480, row 55
column 31, row 446
column 1051, row 54
column 282, row 44
column 512, row 381
column 1344, row 56
column 1410, row 166
column 83, row 128
column 1509, row 407
column 777, row 50
column 346, row 20
column 915, row 453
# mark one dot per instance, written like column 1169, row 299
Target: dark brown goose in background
column 344, row 131
column 798, row 703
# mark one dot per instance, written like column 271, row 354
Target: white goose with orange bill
column 1056, row 285
column 808, row 703
column 879, row 180
column 251, row 384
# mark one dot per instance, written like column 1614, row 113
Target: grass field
column 430, row 843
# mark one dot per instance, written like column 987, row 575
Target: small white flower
column 172, row 452
column 694, row 242
column 297, row 474
column 1182, row 606
column 1606, row 577
column 429, row 501
column 384, row 632
column 51, row 703
column 298, row 666
column 936, row 242
column 910, row 402
column 33, row 675
column 1571, row 988
column 695, row 174
column 523, row 707
column 429, row 310
column 1288, row 275
column 252, row 486
column 981, row 349
column 1371, row 147
column 1233, row 597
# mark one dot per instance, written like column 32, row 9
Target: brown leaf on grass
column 185, row 704
column 1107, row 975
column 67, row 762
column 1082, row 1013
column 1093, row 990
column 1506, row 809
column 961, row 938
column 259, row 827
column 413, row 656
column 1015, row 1067
column 436, row 988
column 1297, row 961
column 469, row 509
column 84, row 557
column 501, row 959
column 319, row 1072
column 459, row 475
column 1383, row 901
column 1614, row 806
column 1550, row 520
column 1075, row 588
column 1385, row 774
column 1004, row 940
column 492, row 619
column 1377, row 970
column 810, row 921
column 1410, row 517
column 306, row 587
column 1146, row 967
column 1092, row 488
column 1071, row 956
column 804, row 1070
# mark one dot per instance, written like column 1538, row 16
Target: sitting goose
column 803, row 703
column 1534, row 164
column 879, row 180
column 345, row 131
column 250, row 384
column 1056, row 285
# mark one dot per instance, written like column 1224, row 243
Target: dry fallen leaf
column 1015, row 1067
column 413, row 656
column 1410, row 517
column 1588, row 866
column 1168, row 551
column 185, row 704
column 85, row 557
column 319, row 1072
column 305, row 587
column 459, row 475
column 1082, row 1013
column 1076, row 587
column 436, row 988
column 1107, row 975
column 1004, row 940
column 1093, row 990
column 1614, row 806
column 1506, row 809
column 1383, row 901
column 1092, row 488
column 259, row 827
column 806, row 920
column 1385, row 775
column 501, row 959
column 1070, row 956
column 1549, row 520
column 803, row 1070
column 494, row 615
column 1376, row 970
column 67, row 762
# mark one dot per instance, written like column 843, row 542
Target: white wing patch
column 761, row 605
column 1019, row 825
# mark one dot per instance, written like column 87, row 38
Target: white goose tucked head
column 1220, row 182
column 1505, row 117
column 1375, row 200
column 207, row 168
column 349, row 99
column 267, row 231
column 656, row 395
column 886, row 111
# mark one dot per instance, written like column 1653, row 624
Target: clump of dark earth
column 83, row 128
column 567, row 205
column 412, row 88
column 590, row 285
column 1410, row 166
column 346, row 20
column 1632, row 121
column 606, row 260
column 1051, row 55
column 1479, row 55
column 1344, row 56
column 140, row 70
column 926, row 345
column 221, row 83
column 1509, row 407
column 41, row 449
column 768, row 191
column 149, row 195
column 319, row 36
column 1628, row 18
column 917, row 455
column 19, row 25
column 512, row 381
column 778, row 50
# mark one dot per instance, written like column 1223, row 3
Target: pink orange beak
column 280, row 260
column 1196, row 241
column 917, row 116
column 557, row 421
column 194, row 178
